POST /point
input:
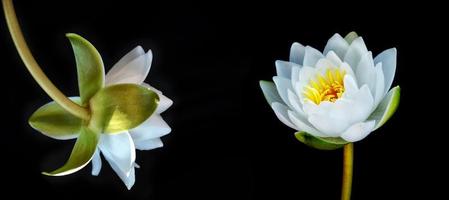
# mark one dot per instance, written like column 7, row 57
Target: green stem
column 33, row 67
column 348, row 159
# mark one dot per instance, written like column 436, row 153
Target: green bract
column 89, row 67
column 351, row 37
column 55, row 122
column 82, row 153
column 320, row 142
column 387, row 107
column 122, row 107
column 112, row 109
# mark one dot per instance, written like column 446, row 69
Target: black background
column 226, row 142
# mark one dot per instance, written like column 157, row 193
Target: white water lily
column 340, row 93
column 114, row 120
column 119, row 149
column 124, row 113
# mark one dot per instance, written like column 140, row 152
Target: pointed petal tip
column 352, row 34
column 261, row 82
column 337, row 35
column 392, row 50
column 46, row 174
column 129, row 185
column 72, row 35
column 149, row 53
column 296, row 44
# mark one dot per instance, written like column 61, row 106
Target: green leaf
column 319, row 142
column 387, row 107
column 270, row 92
column 82, row 153
column 351, row 37
column 89, row 66
column 122, row 107
column 54, row 121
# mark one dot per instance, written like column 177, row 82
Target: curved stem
column 348, row 158
column 33, row 67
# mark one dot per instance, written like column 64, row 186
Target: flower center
column 327, row 87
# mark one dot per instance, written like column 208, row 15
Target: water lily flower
column 125, row 113
column 336, row 96
column 119, row 149
column 113, row 115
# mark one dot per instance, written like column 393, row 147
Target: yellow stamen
column 329, row 87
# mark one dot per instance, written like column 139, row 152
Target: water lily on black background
column 226, row 143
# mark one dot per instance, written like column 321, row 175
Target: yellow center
column 327, row 87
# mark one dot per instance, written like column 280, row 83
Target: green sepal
column 351, row 37
column 387, row 107
column 89, row 67
column 82, row 153
column 122, row 107
column 320, row 142
column 54, row 121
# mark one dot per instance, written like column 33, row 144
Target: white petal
column 311, row 56
column 295, row 75
column 136, row 165
column 130, row 56
column 149, row 144
column 284, row 68
column 388, row 60
column 304, row 125
column 361, row 105
column 334, row 118
column 96, row 163
column 153, row 127
column 355, row 52
column 306, row 74
column 118, row 149
column 297, row 52
column 164, row 101
column 281, row 112
column 380, row 84
column 128, row 177
column 270, row 92
column 309, row 107
column 331, row 56
column 299, row 90
column 134, row 72
column 331, row 118
column 365, row 71
column 282, row 85
column 358, row 131
column 350, row 86
column 323, row 65
column 336, row 44
column 296, row 104
column 347, row 69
